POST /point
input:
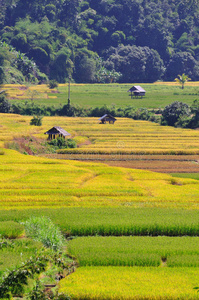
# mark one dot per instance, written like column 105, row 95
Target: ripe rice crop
column 146, row 283
column 125, row 137
column 135, row 251
column 32, row 182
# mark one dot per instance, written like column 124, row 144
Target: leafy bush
column 42, row 229
column 184, row 121
column 36, row 120
column 61, row 143
column 37, row 292
column 5, row 106
column 173, row 112
column 13, row 283
column 53, row 84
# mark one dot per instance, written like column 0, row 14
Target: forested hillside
column 99, row 40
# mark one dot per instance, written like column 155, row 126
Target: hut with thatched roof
column 55, row 132
column 107, row 119
column 137, row 91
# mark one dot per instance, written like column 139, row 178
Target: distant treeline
column 176, row 114
column 98, row 40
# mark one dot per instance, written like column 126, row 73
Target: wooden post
column 69, row 78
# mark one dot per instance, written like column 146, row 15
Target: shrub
column 53, row 84
column 61, row 143
column 36, row 120
column 173, row 112
column 184, row 122
column 42, row 229
column 13, row 283
column 37, row 292
column 4, row 104
column 71, row 143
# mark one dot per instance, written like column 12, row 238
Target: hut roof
column 137, row 88
column 107, row 116
column 57, row 130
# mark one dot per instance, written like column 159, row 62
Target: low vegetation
column 13, row 253
column 43, row 230
column 11, row 229
column 31, row 265
column 126, row 136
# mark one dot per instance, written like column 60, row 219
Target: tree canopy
column 144, row 40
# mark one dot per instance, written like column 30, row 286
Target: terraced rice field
column 128, row 283
column 108, row 221
column 96, row 199
column 40, row 182
column 127, row 143
column 136, row 251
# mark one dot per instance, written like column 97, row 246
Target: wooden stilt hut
column 137, row 91
column 55, row 132
column 107, row 119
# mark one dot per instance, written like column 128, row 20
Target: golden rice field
column 127, row 143
column 126, row 136
column 128, row 283
column 31, row 182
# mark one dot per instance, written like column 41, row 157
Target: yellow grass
column 173, row 83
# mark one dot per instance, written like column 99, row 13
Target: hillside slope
column 104, row 40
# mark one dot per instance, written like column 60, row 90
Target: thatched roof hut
column 55, row 132
column 107, row 118
column 136, row 91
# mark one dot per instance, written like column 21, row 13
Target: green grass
column 17, row 252
column 105, row 221
column 186, row 175
column 157, row 95
column 11, row 229
column 136, row 251
column 126, row 283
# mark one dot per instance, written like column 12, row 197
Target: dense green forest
column 98, row 40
